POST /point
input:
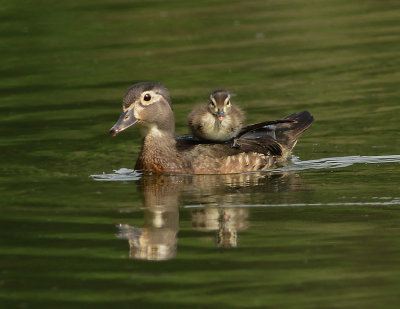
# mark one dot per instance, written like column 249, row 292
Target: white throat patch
column 150, row 130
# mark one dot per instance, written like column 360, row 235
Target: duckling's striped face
column 220, row 104
column 147, row 104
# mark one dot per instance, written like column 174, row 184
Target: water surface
column 320, row 232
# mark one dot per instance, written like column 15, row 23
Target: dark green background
column 64, row 68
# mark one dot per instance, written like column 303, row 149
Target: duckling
column 149, row 106
column 218, row 121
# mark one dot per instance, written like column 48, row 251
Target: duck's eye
column 212, row 104
column 147, row 97
column 228, row 103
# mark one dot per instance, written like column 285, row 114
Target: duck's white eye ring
column 147, row 97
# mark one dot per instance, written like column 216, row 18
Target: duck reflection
column 219, row 204
column 157, row 239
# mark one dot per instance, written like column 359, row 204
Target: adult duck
column 256, row 147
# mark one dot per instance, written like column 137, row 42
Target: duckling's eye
column 212, row 104
column 228, row 103
column 147, row 97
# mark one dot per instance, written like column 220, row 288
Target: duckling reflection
column 157, row 239
column 221, row 197
column 226, row 222
column 242, row 189
column 215, row 200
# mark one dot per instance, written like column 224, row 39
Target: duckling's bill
column 220, row 114
column 126, row 120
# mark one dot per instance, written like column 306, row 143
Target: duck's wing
column 285, row 131
column 288, row 133
column 258, row 143
column 249, row 153
column 262, row 126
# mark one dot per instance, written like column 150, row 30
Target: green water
column 319, row 237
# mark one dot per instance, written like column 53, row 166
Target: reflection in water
column 157, row 239
column 225, row 221
column 218, row 193
column 210, row 196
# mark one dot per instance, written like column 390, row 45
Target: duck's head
column 220, row 104
column 147, row 104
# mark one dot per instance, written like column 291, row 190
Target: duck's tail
column 279, row 136
column 287, row 133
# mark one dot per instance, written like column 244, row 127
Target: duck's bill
column 220, row 114
column 126, row 120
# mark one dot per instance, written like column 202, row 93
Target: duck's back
column 257, row 147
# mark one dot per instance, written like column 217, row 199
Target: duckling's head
column 147, row 104
column 220, row 104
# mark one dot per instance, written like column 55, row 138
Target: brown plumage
column 220, row 120
column 256, row 147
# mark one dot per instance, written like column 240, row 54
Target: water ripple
column 336, row 162
column 394, row 201
column 125, row 174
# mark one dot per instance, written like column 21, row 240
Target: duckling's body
column 257, row 147
column 220, row 120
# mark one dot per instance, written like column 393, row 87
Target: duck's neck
column 159, row 154
column 156, row 138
